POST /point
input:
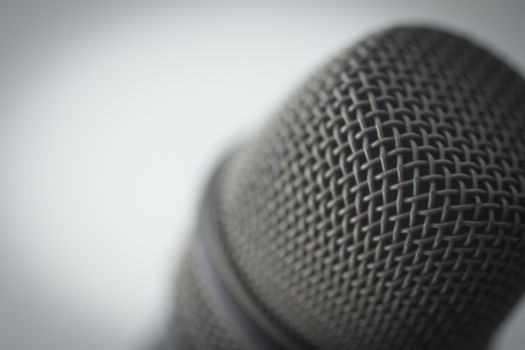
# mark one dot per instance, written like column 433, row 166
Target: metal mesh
column 197, row 320
column 384, row 206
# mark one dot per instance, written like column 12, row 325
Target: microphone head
column 383, row 207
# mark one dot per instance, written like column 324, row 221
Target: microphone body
column 382, row 207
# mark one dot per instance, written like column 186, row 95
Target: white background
column 112, row 116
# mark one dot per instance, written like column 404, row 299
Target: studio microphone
column 383, row 207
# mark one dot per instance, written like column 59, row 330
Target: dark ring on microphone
column 233, row 301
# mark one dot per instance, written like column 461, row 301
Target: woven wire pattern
column 197, row 319
column 384, row 206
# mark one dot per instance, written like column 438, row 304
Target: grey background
column 112, row 116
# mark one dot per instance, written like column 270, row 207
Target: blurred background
column 114, row 113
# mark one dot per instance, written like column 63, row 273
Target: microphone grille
column 384, row 205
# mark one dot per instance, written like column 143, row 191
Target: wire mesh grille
column 384, row 206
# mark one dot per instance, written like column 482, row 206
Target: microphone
column 382, row 207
